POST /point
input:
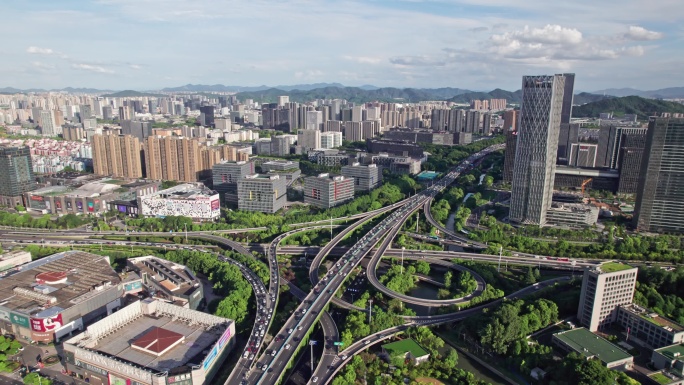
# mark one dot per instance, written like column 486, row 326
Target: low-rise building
column 264, row 193
column 225, row 176
column 590, row 345
column 408, row 350
column 648, row 328
column 49, row 298
column 574, row 216
column 92, row 197
column 285, row 169
column 13, row 259
column 192, row 200
column 670, row 359
column 151, row 342
column 366, row 177
column 168, row 281
column 327, row 191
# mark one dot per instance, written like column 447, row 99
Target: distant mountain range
column 643, row 107
column 131, row 94
column 12, row 90
column 663, row 93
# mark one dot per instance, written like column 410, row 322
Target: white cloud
column 135, row 66
column 40, row 51
column 92, row 68
column 308, row 74
column 641, row 33
column 550, row 34
column 421, row 60
column 363, row 59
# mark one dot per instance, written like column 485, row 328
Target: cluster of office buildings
column 542, row 145
column 606, row 303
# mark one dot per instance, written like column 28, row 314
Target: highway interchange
column 267, row 366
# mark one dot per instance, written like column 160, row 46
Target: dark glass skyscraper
column 16, row 174
column 660, row 196
column 537, row 147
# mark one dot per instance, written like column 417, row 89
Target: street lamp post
column 370, row 311
column 402, row 259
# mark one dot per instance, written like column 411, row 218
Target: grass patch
column 612, row 267
column 660, row 378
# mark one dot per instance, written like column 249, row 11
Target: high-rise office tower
column 117, row 155
column 208, row 112
column 107, row 113
column 660, row 193
column 568, row 136
column 16, row 177
column 629, row 161
column 536, row 149
column 509, row 154
column 283, row 100
column 611, row 141
column 328, row 191
column 604, row 289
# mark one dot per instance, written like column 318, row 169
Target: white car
column 314, row 379
column 287, row 347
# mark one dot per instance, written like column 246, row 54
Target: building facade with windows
column 537, row 147
column 604, row 289
column 327, row 191
column 264, row 193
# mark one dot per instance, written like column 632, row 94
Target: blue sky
column 474, row 44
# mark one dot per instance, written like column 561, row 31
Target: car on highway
column 314, row 379
column 287, row 347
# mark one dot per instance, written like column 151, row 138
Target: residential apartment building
column 263, row 193
column 117, row 156
column 366, row 177
column 604, row 289
column 327, row 191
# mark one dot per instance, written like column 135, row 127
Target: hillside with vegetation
column 627, row 105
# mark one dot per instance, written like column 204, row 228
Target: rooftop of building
column 673, row 352
column 654, row 318
column 405, row 346
column 590, row 345
column 174, row 277
column 612, row 267
column 261, row 177
column 49, row 285
column 182, row 191
column 571, row 207
column 171, row 337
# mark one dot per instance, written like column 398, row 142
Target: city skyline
column 151, row 44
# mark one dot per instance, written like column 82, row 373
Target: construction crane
column 585, row 183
